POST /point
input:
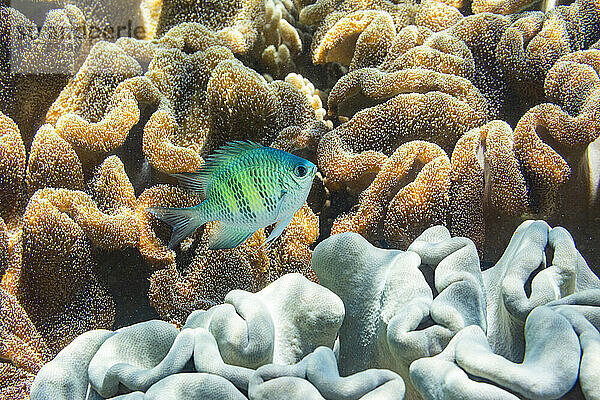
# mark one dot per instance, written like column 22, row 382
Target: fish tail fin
column 184, row 221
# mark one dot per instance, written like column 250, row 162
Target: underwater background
column 449, row 246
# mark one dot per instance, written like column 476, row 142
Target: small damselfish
column 246, row 187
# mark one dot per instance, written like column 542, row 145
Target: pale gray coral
column 551, row 364
column 281, row 324
column 317, row 377
column 388, row 299
column 509, row 304
column 66, row 376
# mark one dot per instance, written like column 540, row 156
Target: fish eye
column 300, row 171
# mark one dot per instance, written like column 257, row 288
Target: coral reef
column 421, row 322
column 12, row 163
column 438, row 128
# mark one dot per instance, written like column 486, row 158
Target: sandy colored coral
column 52, row 163
column 528, row 49
column 574, row 81
column 21, row 343
column 359, row 33
column 280, row 42
column 367, row 30
column 15, row 383
column 5, row 250
column 235, row 22
column 481, row 33
column 547, row 138
column 56, row 285
column 424, row 105
column 39, row 57
column 343, row 165
column 408, row 195
column 111, row 188
column 211, row 98
column 486, row 180
column 582, row 18
column 501, row 6
column 436, row 15
column 202, row 100
column 12, row 162
column 355, row 32
column 308, row 89
column 440, row 51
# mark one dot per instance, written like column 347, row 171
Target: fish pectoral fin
column 227, row 237
column 183, row 221
column 279, row 203
column 276, row 232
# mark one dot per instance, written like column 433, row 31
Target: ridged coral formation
column 423, row 104
column 394, row 208
column 56, row 285
column 37, row 57
column 231, row 22
column 12, row 163
column 486, row 180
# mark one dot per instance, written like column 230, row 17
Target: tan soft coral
column 207, row 98
column 547, row 138
column 535, row 41
column 52, row 163
column 235, row 22
column 40, row 56
column 280, row 43
column 52, row 269
column 424, row 104
column 359, row 33
column 84, row 115
column 21, row 344
column 409, row 194
column 353, row 37
column 343, row 166
column 504, row 7
column 12, row 163
column 486, row 180
column 56, row 284
column 418, row 47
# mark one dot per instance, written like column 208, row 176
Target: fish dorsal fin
column 227, row 237
column 233, row 149
column 199, row 181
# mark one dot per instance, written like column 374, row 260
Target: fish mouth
column 313, row 170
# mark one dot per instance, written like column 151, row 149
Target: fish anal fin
column 227, row 236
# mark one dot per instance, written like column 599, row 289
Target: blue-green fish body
column 247, row 187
